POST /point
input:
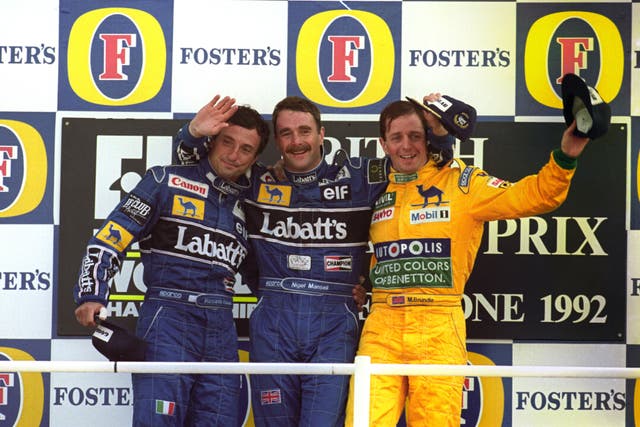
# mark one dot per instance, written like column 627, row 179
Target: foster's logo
column 23, row 168
column 345, row 58
column 21, row 394
column 116, row 56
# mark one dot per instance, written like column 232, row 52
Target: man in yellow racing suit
column 426, row 229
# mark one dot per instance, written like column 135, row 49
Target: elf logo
column 116, row 56
column 21, row 394
column 578, row 42
column 354, row 49
column 23, row 169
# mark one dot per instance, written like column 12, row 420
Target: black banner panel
column 558, row 276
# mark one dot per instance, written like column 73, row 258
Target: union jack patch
column 397, row 300
column 270, row 397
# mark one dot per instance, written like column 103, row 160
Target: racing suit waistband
column 305, row 286
column 198, row 299
column 404, row 300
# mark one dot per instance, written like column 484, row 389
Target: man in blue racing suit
column 190, row 225
column 310, row 236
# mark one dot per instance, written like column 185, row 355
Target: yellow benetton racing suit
column 426, row 229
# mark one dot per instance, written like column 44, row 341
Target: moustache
column 298, row 148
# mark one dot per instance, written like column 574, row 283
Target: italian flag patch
column 164, row 407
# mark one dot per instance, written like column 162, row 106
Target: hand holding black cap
column 584, row 104
column 457, row 117
column 116, row 343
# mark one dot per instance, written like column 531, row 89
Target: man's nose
column 405, row 142
column 234, row 153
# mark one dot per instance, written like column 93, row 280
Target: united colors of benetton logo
column 116, row 57
column 344, row 58
column 584, row 43
column 23, row 168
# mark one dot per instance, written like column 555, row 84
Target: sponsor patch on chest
column 422, row 216
column 382, row 215
column 299, row 262
column 187, row 207
column 338, row 263
column 271, row 194
column 176, row 181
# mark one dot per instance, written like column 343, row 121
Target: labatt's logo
column 483, row 397
column 357, row 60
column 135, row 59
column 575, row 53
column 21, row 393
column 23, row 170
column 321, row 229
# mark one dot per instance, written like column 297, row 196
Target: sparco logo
column 176, row 181
column 231, row 252
column 322, row 228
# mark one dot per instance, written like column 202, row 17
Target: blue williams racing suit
column 190, row 227
column 310, row 237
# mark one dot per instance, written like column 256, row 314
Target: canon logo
column 176, row 181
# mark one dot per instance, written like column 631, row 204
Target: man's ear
column 384, row 145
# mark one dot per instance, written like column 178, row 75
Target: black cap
column 584, row 104
column 117, row 344
column 456, row 116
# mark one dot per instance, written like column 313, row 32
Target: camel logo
column 115, row 236
column 279, row 195
column 188, row 207
column 428, row 194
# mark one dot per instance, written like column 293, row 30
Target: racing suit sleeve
column 493, row 198
column 249, row 272
column 131, row 219
column 188, row 149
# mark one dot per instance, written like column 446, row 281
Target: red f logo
column 5, row 166
column 573, row 54
column 345, row 57
column 116, row 54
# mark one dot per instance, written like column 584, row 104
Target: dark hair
column 296, row 103
column 396, row 109
column 249, row 118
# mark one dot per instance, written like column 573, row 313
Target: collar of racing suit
column 401, row 178
column 233, row 188
column 309, row 177
column 428, row 168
